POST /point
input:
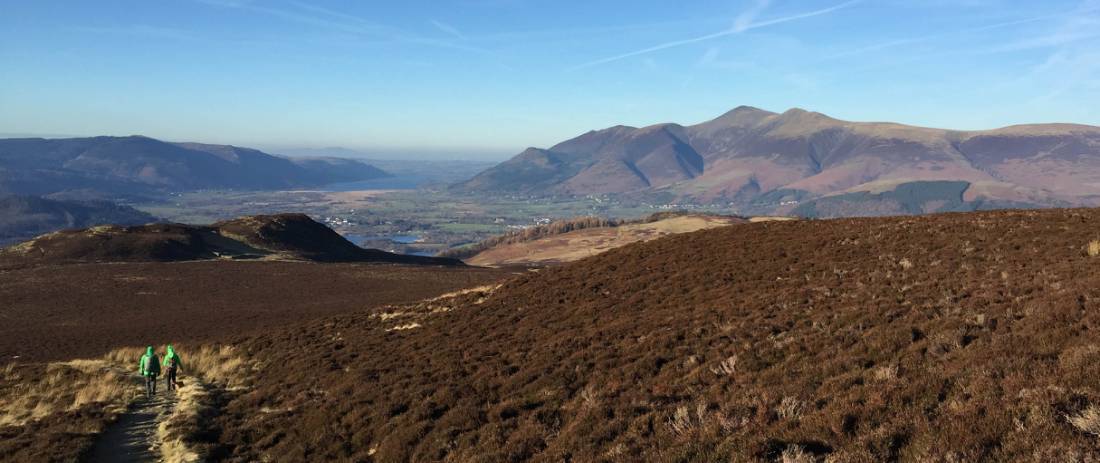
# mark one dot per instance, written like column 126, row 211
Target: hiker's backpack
column 152, row 365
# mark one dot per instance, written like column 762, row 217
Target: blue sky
column 486, row 78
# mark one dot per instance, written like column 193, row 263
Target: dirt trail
column 133, row 437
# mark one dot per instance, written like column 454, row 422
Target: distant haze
column 397, row 154
column 386, row 153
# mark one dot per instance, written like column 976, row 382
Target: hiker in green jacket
column 172, row 363
column 149, row 367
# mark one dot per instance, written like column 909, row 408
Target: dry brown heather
column 59, row 312
column 948, row 338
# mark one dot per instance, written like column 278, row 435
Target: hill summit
column 280, row 236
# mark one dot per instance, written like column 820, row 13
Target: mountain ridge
column 748, row 154
column 139, row 164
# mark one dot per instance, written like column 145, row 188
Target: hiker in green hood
column 149, row 367
column 172, row 363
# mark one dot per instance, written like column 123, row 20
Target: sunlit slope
column 575, row 245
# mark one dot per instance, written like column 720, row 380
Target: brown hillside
column 60, row 312
column 960, row 337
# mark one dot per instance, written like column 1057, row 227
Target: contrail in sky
column 731, row 31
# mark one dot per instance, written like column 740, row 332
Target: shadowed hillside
column 135, row 164
column 282, row 236
column 959, row 337
column 23, row 217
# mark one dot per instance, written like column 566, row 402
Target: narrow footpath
column 133, row 438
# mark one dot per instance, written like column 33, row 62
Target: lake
column 401, row 182
column 399, row 239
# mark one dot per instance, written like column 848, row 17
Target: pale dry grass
column 685, row 421
column 487, row 289
column 125, row 357
column 1093, row 248
column 765, row 218
column 795, row 454
column 176, row 451
column 205, row 369
column 885, row 373
column 220, row 365
column 726, row 367
column 407, row 326
column 64, row 387
column 390, row 315
column 790, row 408
column 211, row 363
column 1087, row 421
column 433, row 306
column 192, row 414
column 590, row 396
column 681, row 422
column 579, row 244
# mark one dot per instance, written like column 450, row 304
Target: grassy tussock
column 795, row 454
column 1087, row 421
column 125, row 357
column 1093, row 248
column 220, row 365
column 65, row 386
column 486, row 289
column 726, row 367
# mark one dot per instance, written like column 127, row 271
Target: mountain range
column 766, row 162
column 136, row 164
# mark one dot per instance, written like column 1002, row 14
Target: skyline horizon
column 497, row 76
column 474, row 154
